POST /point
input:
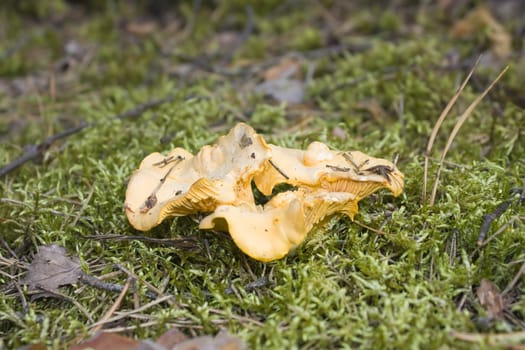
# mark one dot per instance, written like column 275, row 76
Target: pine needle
column 440, row 121
column 454, row 132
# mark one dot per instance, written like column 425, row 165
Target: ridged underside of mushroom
column 269, row 232
column 318, row 167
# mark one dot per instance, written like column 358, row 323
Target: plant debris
column 490, row 298
column 218, row 180
column 172, row 339
column 52, row 268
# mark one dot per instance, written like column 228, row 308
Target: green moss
column 346, row 286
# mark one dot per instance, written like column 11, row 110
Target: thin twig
column 6, row 246
column 493, row 339
column 514, row 280
column 114, row 307
column 59, row 295
column 84, row 206
column 249, row 287
column 440, row 121
column 36, row 151
column 23, row 300
column 370, row 228
column 278, row 169
column 129, row 313
column 455, row 130
column 99, row 284
column 489, row 218
column 151, row 287
column 245, row 34
column 184, row 242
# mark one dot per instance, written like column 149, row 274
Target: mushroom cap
column 182, row 184
column 269, row 232
column 318, row 167
column 218, row 180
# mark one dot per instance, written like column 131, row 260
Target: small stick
column 151, row 287
column 490, row 338
column 258, row 283
column 489, row 218
column 99, row 284
column 514, row 281
column 6, row 246
column 371, row 228
column 185, row 242
column 38, row 150
column 337, row 168
column 129, row 313
column 59, row 295
column 151, row 201
column 278, row 170
column 25, row 306
column 113, row 307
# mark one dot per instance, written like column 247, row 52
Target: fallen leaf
column 171, row 338
column 373, row 107
column 223, row 341
column 284, row 70
column 480, row 20
column 286, row 90
column 339, row 132
column 490, row 298
column 227, row 40
column 141, row 28
column 51, row 268
column 107, row 341
column 282, row 82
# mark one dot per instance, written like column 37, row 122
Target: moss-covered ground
column 377, row 76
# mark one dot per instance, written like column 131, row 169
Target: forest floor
column 88, row 91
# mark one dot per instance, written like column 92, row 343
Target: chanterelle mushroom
column 218, row 180
column 333, row 171
column 270, row 232
column 181, row 184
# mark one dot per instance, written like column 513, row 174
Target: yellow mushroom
column 181, row 184
column 218, row 179
column 269, row 232
column 320, row 168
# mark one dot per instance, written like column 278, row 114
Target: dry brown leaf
column 141, row 27
column 102, row 341
column 282, row 82
column 490, row 298
column 339, row 132
column 51, row 268
column 373, row 107
column 479, row 20
column 223, row 341
column 286, row 68
column 173, row 339
column 283, row 90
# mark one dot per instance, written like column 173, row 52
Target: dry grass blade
column 132, row 312
column 454, row 131
column 440, row 121
column 113, row 308
column 493, row 339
